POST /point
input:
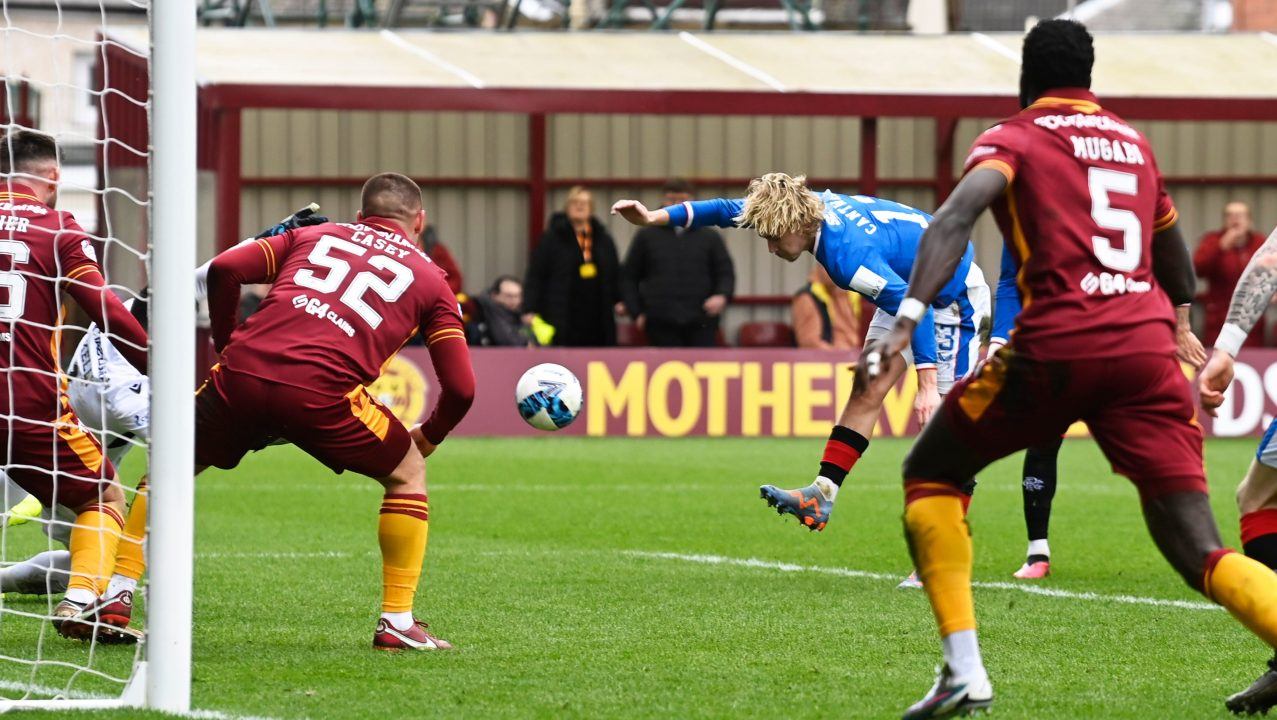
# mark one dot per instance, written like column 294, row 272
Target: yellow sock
column 129, row 559
column 940, row 543
column 402, row 531
column 1247, row 589
column 94, row 540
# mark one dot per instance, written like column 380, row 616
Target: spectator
column 499, row 320
column 439, row 253
column 676, row 282
column 1220, row 259
column 824, row 315
column 573, row 279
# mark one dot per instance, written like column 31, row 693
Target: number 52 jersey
column 345, row 298
column 1083, row 200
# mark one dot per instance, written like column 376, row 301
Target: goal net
column 96, row 422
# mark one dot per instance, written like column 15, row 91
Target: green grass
column 530, row 573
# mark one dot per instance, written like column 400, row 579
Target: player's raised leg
column 402, row 530
column 1149, row 435
column 848, row 441
column 1038, row 488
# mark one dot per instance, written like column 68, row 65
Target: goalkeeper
column 113, row 400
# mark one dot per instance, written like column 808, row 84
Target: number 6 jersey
column 345, row 298
column 43, row 254
column 1083, row 200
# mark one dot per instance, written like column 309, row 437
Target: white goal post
column 173, row 222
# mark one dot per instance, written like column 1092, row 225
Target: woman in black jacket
column 573, row 279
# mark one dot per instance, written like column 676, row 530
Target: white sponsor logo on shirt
column 1113, row 284
column 87, row 247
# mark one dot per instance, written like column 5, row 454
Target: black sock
column 1263, row 549
column 844, row 448
column 1039, row 488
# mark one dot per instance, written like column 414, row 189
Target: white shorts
column 118, row 413
column 957, row 345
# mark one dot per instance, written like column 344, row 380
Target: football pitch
column 599, row 578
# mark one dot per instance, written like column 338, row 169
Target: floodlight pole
column 173, row 224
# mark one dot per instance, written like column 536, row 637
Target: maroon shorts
column 237, row 413
column 58, row 462
column 1139, row 408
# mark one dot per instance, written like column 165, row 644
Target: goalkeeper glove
column 302, row 218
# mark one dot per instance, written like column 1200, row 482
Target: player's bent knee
column 409, row 476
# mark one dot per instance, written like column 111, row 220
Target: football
column 548, row 397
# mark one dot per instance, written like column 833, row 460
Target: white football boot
column 950, row 697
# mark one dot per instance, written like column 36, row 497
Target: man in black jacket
column 573, row 276
column 676, row 282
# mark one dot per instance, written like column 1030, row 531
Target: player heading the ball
column 868, row 246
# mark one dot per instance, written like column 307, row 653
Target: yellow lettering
column 807, row 398
column 610, row 399
column 716, row 375
column 898, row 406
column 754, row 399
column 658, row 399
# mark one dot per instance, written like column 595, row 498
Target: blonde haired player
column 867, row 245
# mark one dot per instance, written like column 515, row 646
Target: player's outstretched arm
column 946, row 238
column 719, row 212
column 1173, row 268
column 1251, row 297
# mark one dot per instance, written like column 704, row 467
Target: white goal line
column 864, row 574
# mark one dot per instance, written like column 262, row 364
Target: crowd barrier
column 653, row 392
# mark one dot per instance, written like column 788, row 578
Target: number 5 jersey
column 1083, row 200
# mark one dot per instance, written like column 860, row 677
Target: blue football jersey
column 867, row 245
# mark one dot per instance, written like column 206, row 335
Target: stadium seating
column 629, row 335
column 765, row 334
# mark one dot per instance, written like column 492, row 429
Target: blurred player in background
column 1077, row 194
column 44, row 253
column 344, row 298
column 868, row 246
column 112, row 399
column 1257, row 494
column 1037, row 484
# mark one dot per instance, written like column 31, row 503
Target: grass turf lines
column 613, row 578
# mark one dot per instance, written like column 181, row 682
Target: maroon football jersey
column 40, row 250
column 1083, row 201
column 345, row 298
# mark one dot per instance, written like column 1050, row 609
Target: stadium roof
column 1129, row 66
